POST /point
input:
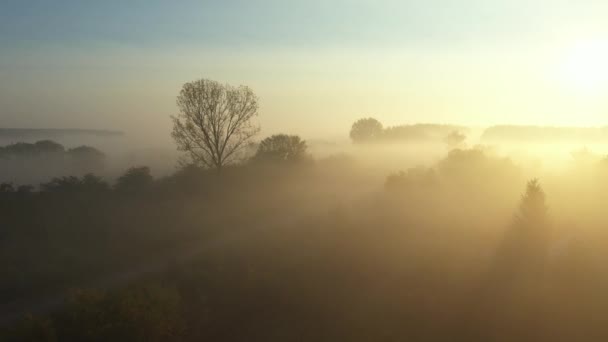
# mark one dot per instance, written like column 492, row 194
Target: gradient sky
column 315, row 65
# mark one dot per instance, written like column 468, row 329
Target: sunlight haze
column 320, row 170
column 316, row 66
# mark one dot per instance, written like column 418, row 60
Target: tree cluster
column 371, row 130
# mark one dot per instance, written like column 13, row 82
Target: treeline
column 76, row 228
column 29, row 162
column 438, row 255
column 547, row 134
column 47, row 148
column 371, row 130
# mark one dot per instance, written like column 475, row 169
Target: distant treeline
column 545, row 134
column 28, row 134
column 420, row 132
column 371, row 130
column 30, row 162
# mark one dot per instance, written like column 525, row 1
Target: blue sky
column 113, row 63
column 275, row 22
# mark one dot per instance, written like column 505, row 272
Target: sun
column 585, row 66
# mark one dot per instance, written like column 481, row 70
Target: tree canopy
column 455, row 139
column 214, row 123
column 134, row 180
column 365, row 130
column 282, row 148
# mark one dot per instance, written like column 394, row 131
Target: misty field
column 372, row 241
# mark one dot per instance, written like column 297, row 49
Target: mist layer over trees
column 274, row 243
column 370, row 130
column 539, row 134
column 24, row 163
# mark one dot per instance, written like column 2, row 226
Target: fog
column 303, row 171
column 422, row 238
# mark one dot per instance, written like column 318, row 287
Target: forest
column 263, row 241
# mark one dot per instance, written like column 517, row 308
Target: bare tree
column 214, row 122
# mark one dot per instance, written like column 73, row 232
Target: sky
column 316, row 66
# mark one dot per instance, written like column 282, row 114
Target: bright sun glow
column 585, row 66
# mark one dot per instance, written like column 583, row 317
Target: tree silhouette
column 87, row 159
column 88, row 184
column 71, row 184
column 282, row 148
column 455, row 139
column 214, row 122
column 25, row 189
column 533, row 209
column 525, row 246
column 49, row 147
column 19, row 150
column 7, row 188
column 136, row 179
column 39, row 148
column 365, row 130
column 93, row 183
column 414, row 177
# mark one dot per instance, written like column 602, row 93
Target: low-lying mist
column 353, row 242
